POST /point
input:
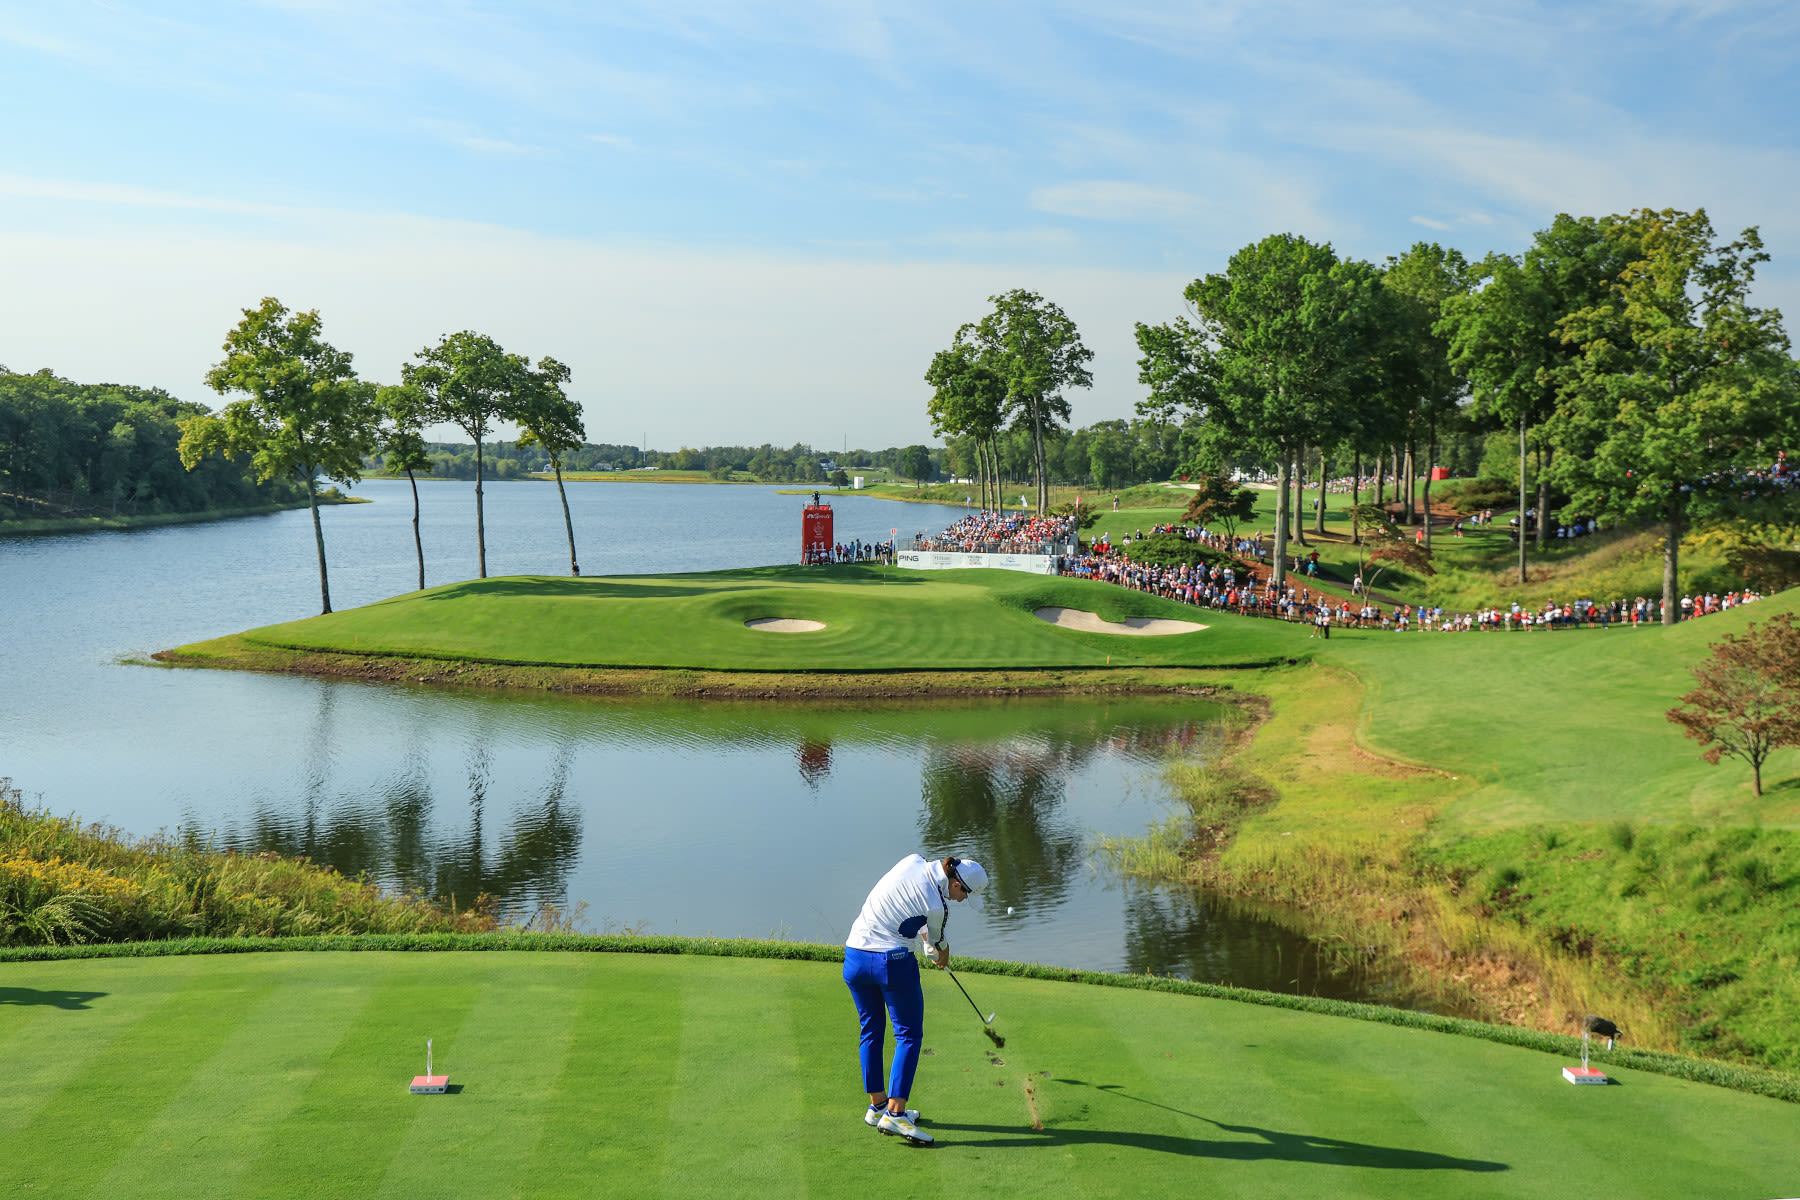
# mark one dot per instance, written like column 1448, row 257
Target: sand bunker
column 783, row 625
column 1087, row 622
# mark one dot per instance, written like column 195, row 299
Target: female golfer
column 911, row 901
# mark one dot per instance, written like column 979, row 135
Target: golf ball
column 1009, row 910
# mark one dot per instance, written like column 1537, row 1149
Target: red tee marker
column 429, row 1084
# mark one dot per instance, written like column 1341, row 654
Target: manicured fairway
column 1565, row 726
column 623, row 1075
column 876, row 619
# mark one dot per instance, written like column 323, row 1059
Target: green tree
column 1036, row 349
column 549, row 419
column 1284, row 339
column 470, row 382
column 1110, row 447
column 401, row 440
column 1505, row 334
column 305, row 415
column 915, row 463
column 1747, row 704
column 968, row 399
column 1680, row 384
column 1419, row 284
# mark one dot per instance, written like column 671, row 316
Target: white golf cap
column 972, row 873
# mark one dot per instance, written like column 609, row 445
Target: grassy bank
column 240, row 652
column 63, row 881
column 1517, row 826
column 586, row 1074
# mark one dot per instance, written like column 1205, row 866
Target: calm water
column 739, row 818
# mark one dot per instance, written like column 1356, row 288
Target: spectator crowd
column 1239, row 582
column 1002, row 533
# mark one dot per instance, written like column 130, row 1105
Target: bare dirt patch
column 1087, row 622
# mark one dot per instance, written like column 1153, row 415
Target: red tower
column 816, row 537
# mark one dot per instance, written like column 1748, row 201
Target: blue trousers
column 885, row 984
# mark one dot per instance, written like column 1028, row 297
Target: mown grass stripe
column 353, row 1118
column 1758, row 1081
column 208, row 1132
column 507, row 1052
column 105, row 1105
column 610, row 1104
column 44, row 1044
column 737, row 1072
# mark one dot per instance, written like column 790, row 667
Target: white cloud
column 1428, row 223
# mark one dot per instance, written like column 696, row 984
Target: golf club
column 987, row 1022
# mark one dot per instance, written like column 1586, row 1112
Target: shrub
column 63, row 882
column 1171, row 550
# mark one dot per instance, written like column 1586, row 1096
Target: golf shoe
column 872, row 1115
column 902, row 1126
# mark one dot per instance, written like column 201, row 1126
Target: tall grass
column 62, row 881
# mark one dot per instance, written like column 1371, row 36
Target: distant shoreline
column 62, row 526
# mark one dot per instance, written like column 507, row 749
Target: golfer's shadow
column 29, row 997
column 1274, row 1144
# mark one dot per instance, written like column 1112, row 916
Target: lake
column 738, row 818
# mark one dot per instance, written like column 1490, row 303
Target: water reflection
column 391, row 837
column 1003, row 806
column 690, row 818
column 491, row 794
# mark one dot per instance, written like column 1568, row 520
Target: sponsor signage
column 941, row 560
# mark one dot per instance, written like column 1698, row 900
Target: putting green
column 875, row 619
column 618, row 1074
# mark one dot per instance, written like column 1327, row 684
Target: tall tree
column 305, row 415
column 470, row 382
column 1420, row 282
column 1505, row 333
column 403, row 448
column 1037, row 350
column 548, row 418
column 1284, row 338
column 1680, row 384
column 968, row 399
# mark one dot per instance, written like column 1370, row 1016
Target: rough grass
column 607, row 1074
column 1532, row 840
column 62, row 881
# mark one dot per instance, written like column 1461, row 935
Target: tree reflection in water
column 1001, row 802
column 391, row 842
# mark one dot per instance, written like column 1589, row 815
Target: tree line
column 70, row 449
column 1623, row 351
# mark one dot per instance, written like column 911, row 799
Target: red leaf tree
column 1748, row 703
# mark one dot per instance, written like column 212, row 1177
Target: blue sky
column 748, row 222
